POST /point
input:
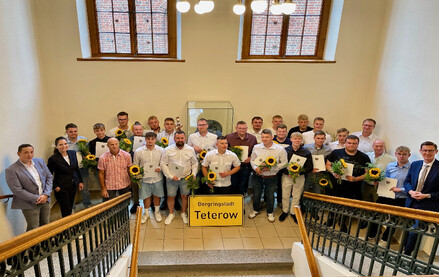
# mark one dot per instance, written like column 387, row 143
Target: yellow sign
column 216, row 210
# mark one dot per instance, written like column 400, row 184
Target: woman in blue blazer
column 64, row 167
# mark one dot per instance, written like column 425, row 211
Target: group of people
column 168, row 168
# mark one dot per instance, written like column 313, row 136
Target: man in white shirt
column 276, row 121
column 256, row 129
column 154, row 124
column 318, row 124
column 342, row 134
column 168, row 132
column 381, row 159
column 122, row 119
column 178, row 162
column 220, row 162
column 202, row 140
column 367, row 137
column 265, row 178
column 149, row 157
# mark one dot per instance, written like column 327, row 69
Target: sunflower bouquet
column 163, row 142
column 83, row 147
column 339, row 167
column 136, row 174
column 294, row 170
column 237, row 150
column 324, row 183
column 192, row 183
column 202, row 155
column 121, row 134
column 125, row 144
column 210, row 179
column 373, row 173
column 89, row 162
column 268, row 163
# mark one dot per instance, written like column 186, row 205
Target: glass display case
column 219, row 115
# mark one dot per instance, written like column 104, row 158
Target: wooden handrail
column 306, row 244
column 428, row 216
column 135, row 252
column 6, row 196
column 19, row 243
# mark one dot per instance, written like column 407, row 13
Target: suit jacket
column 65, row 175
column 24, row 186
column 431, row 186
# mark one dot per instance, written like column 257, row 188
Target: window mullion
column 284, row 35
column 133, row 32
column 152, row 27
column 114, row 27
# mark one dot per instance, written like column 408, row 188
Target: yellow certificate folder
column 216, row 210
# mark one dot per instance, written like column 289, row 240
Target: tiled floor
column 257, row 233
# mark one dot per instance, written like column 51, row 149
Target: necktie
column 422, row 180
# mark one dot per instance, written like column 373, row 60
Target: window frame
column 94, row 33
column 320, row 44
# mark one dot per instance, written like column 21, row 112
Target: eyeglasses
column 427, row 151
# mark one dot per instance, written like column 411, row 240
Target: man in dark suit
column 422, row 186
column 31, row 183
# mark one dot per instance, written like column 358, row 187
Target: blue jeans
column 240, row 180
column 268, row 185
column 85, row 193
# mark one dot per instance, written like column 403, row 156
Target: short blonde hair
column 303, row 117
column 402, row 148
column 296, row 135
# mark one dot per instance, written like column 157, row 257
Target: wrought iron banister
column 86, row 243
column 134, row 254
column 349, row 232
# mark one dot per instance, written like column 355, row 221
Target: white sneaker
column 253, row 214
column 169, row 219
column 158, row 216
column 271, row 217
column 184, row 217
column 145, row 217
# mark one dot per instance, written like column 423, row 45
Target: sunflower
column 134, row 170
column 343, row 163
column 323, row 182
column 119, row 132
column 270, row 161
column 81, row 140
column 374, row 172
column 239, row 147
column 275, row 142
column 164, row 140
column 127, row 141
column 188, row 177
column 211, row 176
column 90, row 157
column 294, row 168
column 203, row 154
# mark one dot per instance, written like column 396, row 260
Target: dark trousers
column 114, row 193
column 268, row 186
column 66, row 198
column 388, row 233
column 37, row 216
column 240, row 179
column 221, row 190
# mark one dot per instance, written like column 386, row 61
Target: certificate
column 318, row 162
column 384, row 187
column 284, row 145
column 259, row 160
column 218, row 168
column 101, row 148
column 244, row 155
column 176, row 170
column 348, row 171
column 79, row 158
column 149, row 170
column 298, row 159
column 138, row 142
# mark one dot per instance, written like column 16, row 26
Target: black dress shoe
column 133, row 209
column 283, row 216
column 294, row 217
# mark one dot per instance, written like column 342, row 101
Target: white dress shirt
column 308, row 137
column 257, row 134
column 262, row 152
column 183, row 157
column 170, row 137
column 365, row 144
column 206, row 142
column 227, row 160
column 34, row 172
column 335, row 145
column 143, row 156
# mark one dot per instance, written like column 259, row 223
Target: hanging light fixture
column 198, row 9
column 276, row 8
column 239, row 8
column 259, row 6
column 288, row 7
column 206, row 5
column 183, row 6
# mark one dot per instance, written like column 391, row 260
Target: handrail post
column 135, row 251
column 306, row 244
